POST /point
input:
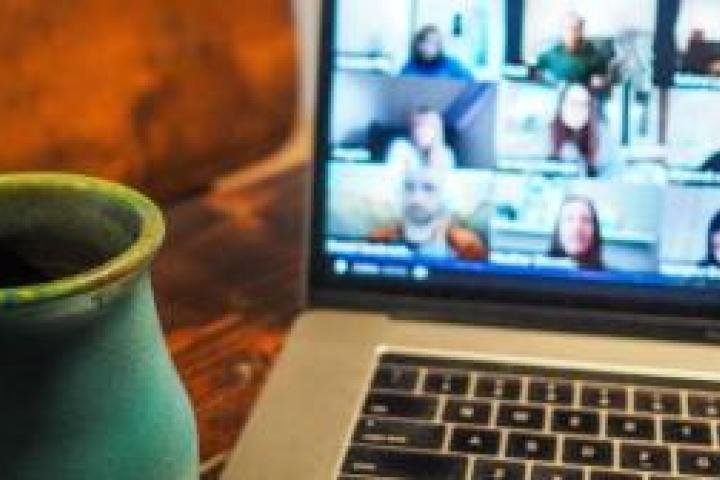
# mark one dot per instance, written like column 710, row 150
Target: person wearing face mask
column 577, row 235
column 426, row 143
column 576, row 123
column 712, row 256
column 426, row 227
column 428, row 57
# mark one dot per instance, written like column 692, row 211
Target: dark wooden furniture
column 228, row 286
column 163, row 95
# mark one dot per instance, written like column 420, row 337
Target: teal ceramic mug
column 87, row 388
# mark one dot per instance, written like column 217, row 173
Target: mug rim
column 131, row 262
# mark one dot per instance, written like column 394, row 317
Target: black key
column 686, row 432
column 447, row 383
column 614, row 476
column 459, row 411
column 572, row 421
column 412, row 465
column 401, row 406
column 657, row 402
column 531, row 447
column 697, row 462
column 395, row 378
column 702, row 406
column 542, row 472
column 522, row 417
column 608, row 398
column 498, row 470
column 594, row 453
column 546, row 391
column 397, row 433
column 648, row 458
column 631, row 428
column 479, row 442
column 500, row 388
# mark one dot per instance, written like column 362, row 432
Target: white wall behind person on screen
column 698, row 14
column 685, row 224
column 378, row 28
column 545, row 20
column 692, row 139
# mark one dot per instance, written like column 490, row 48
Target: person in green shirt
column 575, row 59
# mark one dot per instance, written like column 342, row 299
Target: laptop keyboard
column 431, row 418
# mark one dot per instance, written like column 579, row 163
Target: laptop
column 513, row 253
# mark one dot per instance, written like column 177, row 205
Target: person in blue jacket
column 428, row 57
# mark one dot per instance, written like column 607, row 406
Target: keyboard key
column 447, row 383
column 541, row 472
column 657, row 402
column 395, row 378
column 697, row 462
column 630, row 427
column 479, row 442
column 704, row 406
column 614, row 476
column 571, row 421
column 594, row 453
column 396, row 433
column 401, row 406
column 607, row 398
column 522, row 417
column 545, row 391
column 392, row 463
column 499, row 388
column 645, row 457
column 459, row 411
column 531, row 447
column 686, row 432
column 498, row 470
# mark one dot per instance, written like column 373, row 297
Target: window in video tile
column 409, row 211
column 590, row 225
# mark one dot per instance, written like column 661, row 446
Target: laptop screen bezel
column 665, row 303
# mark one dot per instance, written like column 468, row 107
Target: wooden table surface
column 227, row 286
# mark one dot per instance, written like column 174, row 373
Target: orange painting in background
column 163, row 94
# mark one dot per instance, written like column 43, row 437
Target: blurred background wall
column 162, row 94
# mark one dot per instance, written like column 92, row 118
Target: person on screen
column 712, row 257
column 428, row 57
column 575, row 59
column 426, row 143
column 701, row 58
column 426, row 226
column 577, row 234
column 576, row 123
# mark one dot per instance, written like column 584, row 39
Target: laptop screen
column 539, row 145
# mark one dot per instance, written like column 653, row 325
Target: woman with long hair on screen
column 576, row 122
column 577, row 234
column 712, row 255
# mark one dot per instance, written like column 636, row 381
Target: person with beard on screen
column 426, row 227
column 428, row 57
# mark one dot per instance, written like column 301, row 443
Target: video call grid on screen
column 559, row 134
